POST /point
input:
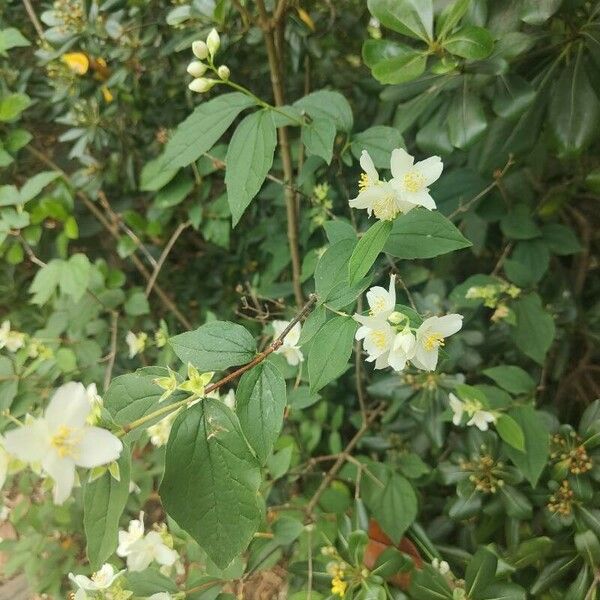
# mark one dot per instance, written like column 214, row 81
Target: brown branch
column 286, row 156
column 33, row 18
column 165, row 253
column 343, row 457
column 139, row 265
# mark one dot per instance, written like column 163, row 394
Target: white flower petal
column 425, row 359
column 62, row 471
column 68, row 406
column 368, row 197
column 431, row 169
column 400, row 162
column 449, row 324
column 420, row 198
column 97, row 447
column 29, row 443
column 367, row 165
column 457, row 408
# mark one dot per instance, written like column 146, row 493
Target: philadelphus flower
column 213, row 42
column 289, row 348
column 473, row 408
column 196, row 381
column 136, row 342
column 406, row 190
column 159, row 432
column 196, row 68
column 200, row 49
column 430, row 337
column 96, row 403
column 11, row 340
column 140, row 550
column 61, row 440
column 202, row 84
column 160, row 596
column 100, row 580
column 223, row 72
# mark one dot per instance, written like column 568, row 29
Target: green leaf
column 137, row 304
column 534, row 329
column 249, row 159
column 537, row 443
column 510, row 431
column 45, row 282
column 450, row 17
column 367, row 250
column 516, row 503
column 9, row 383
column 393, row 504
column 328, row 105
column 12, row 105
column 503, row 591
column 75, row 276
column 103, row 503
column 430, row 584
column 560, row 239
column 588, row 546
column 392, row 62
column 201, row 130
column 12, row 38
column 260, row 403
column 528, row 262
column 318, row 137
column 518, row 224
column 470, row 42
column 135, row 395
column 553, row 572
column 211, row 480
column 215, row 346
column 154, row 176
column 315, row 320
column 481, row 570
column 536, row 12
column 513, row 379
column 330, row 351
column 36, row 184
column 378, row 141
column 574, row 109
column 424, row 234
column 175, row 192
column 466, row 119
column 580, row 585
column 513, row 97
column 413, row 18
column 149, row 581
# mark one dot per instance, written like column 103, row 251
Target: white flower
column 135, row 532
column 11, row 340
column 223, row 72
column 100, row 580
column 61, row 440
column 202, row 84
column 411, row 180
column 379, row 197
column 441, row 566
column 478, row 417
column 147, row 549
column 196, row 68
column 159, row 432
column 430, row 336
column 289, row 348
column 402, row 350
column 200, row 49
column 229, row 399
column 213, row 42
column 96, row 403
column 136, row 342
column 160, row 596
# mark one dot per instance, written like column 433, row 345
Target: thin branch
column 503, row 256
column 114, row 322
column 165, row 253
column 498, row 175
column 360, row 393
column 274, row 345
column 33, row 18
column 139, row 265
column 343, row 457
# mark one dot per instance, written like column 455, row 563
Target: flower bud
column 200, row 49
column 202, row 84
column 223, row 72
column 396, row 318
column 213, row 41
column 196, row 68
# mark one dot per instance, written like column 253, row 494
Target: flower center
column 64, row 442
column 414, row 181
column 363, row 182
column 385, row 208
column 379, row 339
column 378, row 306
column 433, row 341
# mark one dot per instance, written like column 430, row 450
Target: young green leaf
column 318, row 137
column 534, row 329
column 211, row 480
column 510, row 431
column 367, row 250
column 511, row 378
column 471, row 42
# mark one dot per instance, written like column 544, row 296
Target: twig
column 498, row 175
column 286, row 155
column 358, row 370
column 274, row 345
column 139, row 265
column 503, row 256
column 114, row 322
column 333, row 471
column 161, row 261
column 33, row 18
column 30, row 253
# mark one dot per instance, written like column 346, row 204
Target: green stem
column 157, row 413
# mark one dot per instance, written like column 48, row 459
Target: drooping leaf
column 367, row 250
column 211, row 480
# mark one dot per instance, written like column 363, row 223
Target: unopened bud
column 196, row 68
column 202, row 84
column 223, row 72
column 200, row 49
column 213, row 41
column 396, row 318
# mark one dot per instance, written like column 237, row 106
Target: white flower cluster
column 478, row 417
column 102, row 582
column 390, row 341
column 197, row 68
column 141, row 550
column 407, row 189
column 62, row 439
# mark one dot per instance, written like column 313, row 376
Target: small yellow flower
column 338, row 586
column 78, row 62
column 196, row 381
column 107, row 94
column 306, row 18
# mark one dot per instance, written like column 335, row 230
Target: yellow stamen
column 414, row 181
column 379, row 339
column 363, row 182
column 64, row 442
column 433, row 340
column 385, row 208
